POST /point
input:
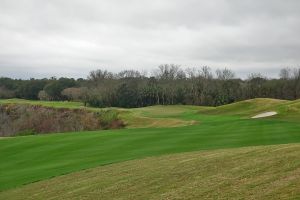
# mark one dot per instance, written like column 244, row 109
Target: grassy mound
column 287, row 110
column 248, row 107
column 266, row 172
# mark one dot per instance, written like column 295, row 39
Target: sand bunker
column 266, row 114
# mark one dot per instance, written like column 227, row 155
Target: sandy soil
column 266, row 114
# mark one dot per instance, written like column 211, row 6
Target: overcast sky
column 43, row 38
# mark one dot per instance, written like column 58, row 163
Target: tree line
column 167, row 85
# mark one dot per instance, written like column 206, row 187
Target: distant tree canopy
column 55, row 87
column 169, row 84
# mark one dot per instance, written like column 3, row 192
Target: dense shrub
column 109, row 119
column 42, row 95
column 74, row 94
column 34, row 119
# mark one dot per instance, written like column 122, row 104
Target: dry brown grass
column 265, row 172
column 148, row 122
column 26, row 119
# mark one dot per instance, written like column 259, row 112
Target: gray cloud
column 72, row 37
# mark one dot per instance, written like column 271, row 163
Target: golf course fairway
column 224, row 141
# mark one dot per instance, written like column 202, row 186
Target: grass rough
column 265, row 172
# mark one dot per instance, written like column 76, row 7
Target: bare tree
column 225, row 74
column 167, row 72
column 296, row 73
column 205, row 72
column 285, row 73
column 99, row 75
column 191, row 72
column 129, row 74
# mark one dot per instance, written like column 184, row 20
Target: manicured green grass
column 32, row 158
column 264, row 172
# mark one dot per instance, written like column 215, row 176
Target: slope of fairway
column 28, row 159
column 287, row 110
column 266, row 172
column 248, row 107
